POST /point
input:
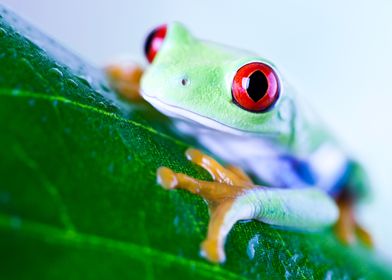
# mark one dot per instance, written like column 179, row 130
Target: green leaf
column 78, row 197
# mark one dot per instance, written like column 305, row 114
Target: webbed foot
column 228, row 184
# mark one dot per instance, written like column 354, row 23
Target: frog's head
column 222, row 88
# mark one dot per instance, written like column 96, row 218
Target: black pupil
column 147, row 44
column 257, row 86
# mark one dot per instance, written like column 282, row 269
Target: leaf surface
column 78, row 192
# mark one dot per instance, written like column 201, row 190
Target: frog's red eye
column 154, row 41
column 255, row 87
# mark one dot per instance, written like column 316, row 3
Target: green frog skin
column 240, row 108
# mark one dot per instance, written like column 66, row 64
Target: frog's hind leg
column 347, row 228
column 364, row 235
column 125, row 78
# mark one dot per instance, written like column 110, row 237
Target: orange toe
column 166, row 178
column 211, row 250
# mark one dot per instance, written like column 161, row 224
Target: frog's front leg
column 213, row 192
column 125, row 78
column 230, row 175
column 228, row 184
column 220, row 198
column 233, row 197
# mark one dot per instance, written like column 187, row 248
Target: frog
column 241, row 109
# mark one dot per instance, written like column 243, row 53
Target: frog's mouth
column 189, row 116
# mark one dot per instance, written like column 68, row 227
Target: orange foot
column 228, row 184
column 125, row 79
column 346, row 228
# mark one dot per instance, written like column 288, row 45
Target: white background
column 337, row 53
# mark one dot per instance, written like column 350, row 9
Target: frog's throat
column 179, row 113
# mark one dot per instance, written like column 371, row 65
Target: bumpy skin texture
column 287, row 148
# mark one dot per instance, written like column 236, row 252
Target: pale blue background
column 337, row 54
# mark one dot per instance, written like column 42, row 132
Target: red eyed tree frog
column 240, row 107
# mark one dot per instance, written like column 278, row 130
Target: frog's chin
column 188, row 116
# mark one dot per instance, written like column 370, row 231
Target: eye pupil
column 257, row 86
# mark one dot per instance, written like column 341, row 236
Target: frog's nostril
column 154, row 41
column 185, row 81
